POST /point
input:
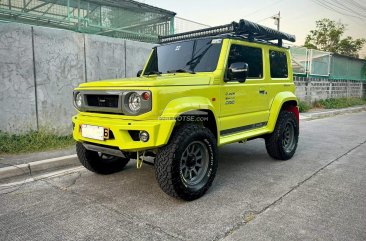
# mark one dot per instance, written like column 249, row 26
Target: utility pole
column 277, row 20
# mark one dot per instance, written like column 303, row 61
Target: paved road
column 319, row 195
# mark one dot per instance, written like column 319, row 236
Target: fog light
column 144, row 136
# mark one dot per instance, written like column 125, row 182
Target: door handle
column 262, row 92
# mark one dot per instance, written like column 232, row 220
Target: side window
column 251, row 56
column 278, row 62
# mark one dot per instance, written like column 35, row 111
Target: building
column 116, row 18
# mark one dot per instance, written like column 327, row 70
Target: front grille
column 109, row 101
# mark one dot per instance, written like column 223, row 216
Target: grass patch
column 33, row 141
column 304, row 107
column 331, row 104
column 339, row 103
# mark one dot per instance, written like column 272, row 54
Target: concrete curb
column 318, row 115
column 37, row 166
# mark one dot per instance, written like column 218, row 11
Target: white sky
column 297, row 16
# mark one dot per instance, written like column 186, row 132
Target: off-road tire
column 275, row 141
column 94, row 162
column 168, row 162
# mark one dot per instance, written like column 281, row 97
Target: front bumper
column 159, row 131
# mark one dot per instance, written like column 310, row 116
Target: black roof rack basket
column 244, row 28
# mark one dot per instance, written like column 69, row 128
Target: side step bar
column 105, row 150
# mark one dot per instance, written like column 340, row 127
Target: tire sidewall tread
column 91, row 161
column 167, row 162
column 274, row 140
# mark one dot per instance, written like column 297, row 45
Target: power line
column 325, row 5
column 192, row 21
column 272, row 16
column 258, row 21
column 349, row 8
column 260, row 9
column 363, row 7
column 336, row 7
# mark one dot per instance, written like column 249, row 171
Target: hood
column 152, row 81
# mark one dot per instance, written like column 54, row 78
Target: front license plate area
column 94, row 132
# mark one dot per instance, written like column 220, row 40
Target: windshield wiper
column 181, row 71
column 152, row 72
column 196, row 60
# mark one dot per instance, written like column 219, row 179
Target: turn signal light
column 146, row 96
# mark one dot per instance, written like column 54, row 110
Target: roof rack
column 244, row 29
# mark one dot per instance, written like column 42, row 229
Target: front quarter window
column 189, row 56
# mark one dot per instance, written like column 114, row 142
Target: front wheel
column 282, row 143
column 99, row 162
column 186, row 167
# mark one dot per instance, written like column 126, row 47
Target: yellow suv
column 198, row 90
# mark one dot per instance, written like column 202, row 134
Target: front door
column 244, row 106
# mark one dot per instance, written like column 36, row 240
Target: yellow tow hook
column 139, row 160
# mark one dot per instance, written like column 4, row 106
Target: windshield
column 199, row 55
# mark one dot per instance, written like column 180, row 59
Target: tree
column 328, row 37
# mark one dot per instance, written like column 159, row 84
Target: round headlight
column 78, row 100
column 134, row 102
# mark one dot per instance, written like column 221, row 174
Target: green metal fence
column 319, row 63
column 315, row 63
column 343, row 67
column 117, row 18
column 299, row 60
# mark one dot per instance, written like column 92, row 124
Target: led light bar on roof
column 244, row 28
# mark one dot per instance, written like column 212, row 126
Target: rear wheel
column 99, row 162
column 282, row 143
column 186, row 167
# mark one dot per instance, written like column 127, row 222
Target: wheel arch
column 205, row 117
column 283, row 101
column 196, row 106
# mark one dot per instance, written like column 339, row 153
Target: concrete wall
column 17, row 83
column 313, row 89
column 105, row 57
column 39, row 67
column 135, row 57
column 60, row 67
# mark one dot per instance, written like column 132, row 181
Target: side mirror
column 238, row 71
column 139, row 73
